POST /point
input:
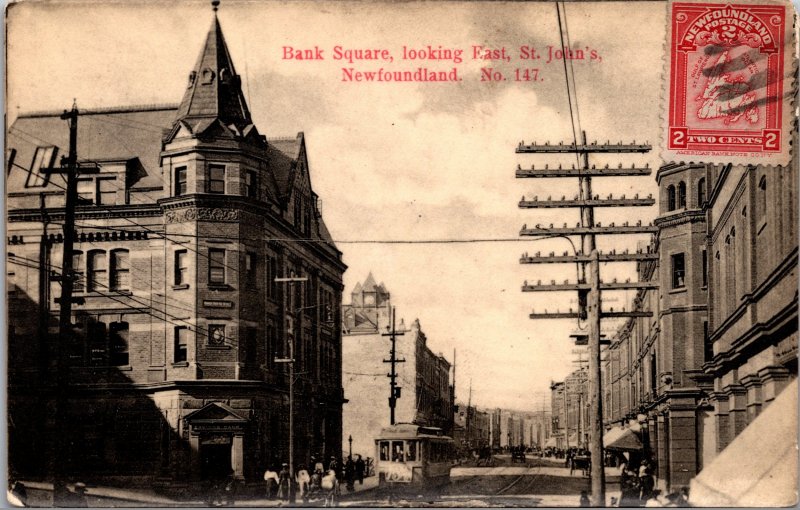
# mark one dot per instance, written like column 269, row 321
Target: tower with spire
column 182, row 233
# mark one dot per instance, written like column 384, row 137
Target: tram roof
column 411, row 431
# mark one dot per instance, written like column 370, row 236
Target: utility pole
column 291, row 280
column 589, row 285
column 394, row 390
column 69, row 165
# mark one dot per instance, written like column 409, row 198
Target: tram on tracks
column 413, row 456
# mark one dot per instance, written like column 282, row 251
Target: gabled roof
column 214, row 90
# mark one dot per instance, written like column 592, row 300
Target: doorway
column 215, row 457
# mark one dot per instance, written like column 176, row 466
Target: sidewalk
column 40, row 494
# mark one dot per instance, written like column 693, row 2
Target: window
column 704, row 256
column 250, row 266
column 120, row 270
column 761, row 200
column 43, row 159
column 216, row 266
column 180, row 181
column 412, row 451
column 671, row 198
column 86, row 191
column 678, row 271
column 682, row 195
column 106, row 191
column 216, row 335
column 99, row 191
column 272, row 273
column 96, row 331
column 118, row 343
column 216, row 179
column 96, row 270
column 251, row 346
column 181, row 267
column 78, row 283
column 384, row 455
column 181, row 344
column 251, row 184
column 701, row 192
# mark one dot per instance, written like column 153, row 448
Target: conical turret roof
column 214, row 90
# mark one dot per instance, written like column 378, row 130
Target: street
column 538, row 482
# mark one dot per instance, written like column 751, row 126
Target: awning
column 759, row 467
column 551, row 443
column 622, row 439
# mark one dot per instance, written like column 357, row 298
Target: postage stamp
column 729, row 88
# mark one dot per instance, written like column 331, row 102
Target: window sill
column 182, row 286
column 218, row 347
column 180, row 364
column 219, row 286
column 678, row 290
column 121, row 368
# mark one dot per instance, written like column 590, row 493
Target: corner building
column 185, row 220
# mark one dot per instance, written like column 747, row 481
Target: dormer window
column 97, row 190
column 216, row 179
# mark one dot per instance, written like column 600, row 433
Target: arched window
column 96, row 271
column 671, row 198
column 701, row 192
column 682, row 195
column 120, row 270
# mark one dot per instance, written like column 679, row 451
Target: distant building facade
column 424, row 377
column 471, row 427
column 186, row 219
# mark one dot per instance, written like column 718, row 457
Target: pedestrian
column 284, row 480
column 349, row 474
column 230, row 488
column 360, row 469
column 646, row 486
column 334, row 466
column 629, row 488
column 271, row 481
column 585, row 499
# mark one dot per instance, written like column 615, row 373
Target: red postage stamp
column 729, row 83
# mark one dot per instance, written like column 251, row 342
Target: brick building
column 187, row 215
column 692, row 375
column 424, row 377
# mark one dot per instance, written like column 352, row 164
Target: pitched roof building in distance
column 369, row 310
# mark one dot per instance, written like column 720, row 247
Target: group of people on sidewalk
column 638, row 488
column 315, row 478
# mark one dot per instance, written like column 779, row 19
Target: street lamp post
column 290, row 360
column 350, row 440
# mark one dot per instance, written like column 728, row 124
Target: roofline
column 100, row 111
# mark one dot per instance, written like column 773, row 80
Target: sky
column 399, row 161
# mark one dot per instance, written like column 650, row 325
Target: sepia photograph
column 295, row 253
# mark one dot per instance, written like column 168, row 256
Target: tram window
column 397, row 451
column 412, row 451
column 384, row 450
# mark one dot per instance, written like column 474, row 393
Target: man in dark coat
column 360, row 466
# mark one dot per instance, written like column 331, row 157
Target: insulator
column 538, row 282
column 565, row 225
column 552, row 282
column 623, row 197
column 519, row 167
column 549, row 197
column 552, row 254
column 565, row 253
column 546, row 167
column 563, row 197
column 525, row 283
column 551, row 225
column 559, row 165
column 538, row 253
column 615, row 280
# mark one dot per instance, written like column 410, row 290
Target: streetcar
column 413, row 455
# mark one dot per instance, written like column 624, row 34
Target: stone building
column 187, row 214
column 423, row 378
column 674, row 375
column 559, row 417
column 471, row 427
